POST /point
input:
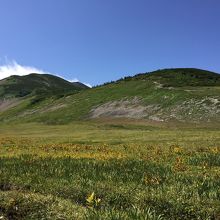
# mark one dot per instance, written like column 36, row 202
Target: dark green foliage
column 179, row 77
column 35, row 84
column 175, row 77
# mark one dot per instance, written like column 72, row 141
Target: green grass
column 137, row 170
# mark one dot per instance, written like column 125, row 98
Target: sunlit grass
column 52, row 172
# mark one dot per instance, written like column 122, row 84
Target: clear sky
column 102, row 40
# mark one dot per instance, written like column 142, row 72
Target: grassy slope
column 178, row 85
column 137, row 171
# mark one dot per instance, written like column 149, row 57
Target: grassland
column 109, row 170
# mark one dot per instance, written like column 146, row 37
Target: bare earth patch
column 6, row 104
column 125, row 108
column 194, row 110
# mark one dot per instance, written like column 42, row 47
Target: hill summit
column 179, row 77
column 20, row 86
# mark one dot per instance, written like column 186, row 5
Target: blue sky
column 102, row 40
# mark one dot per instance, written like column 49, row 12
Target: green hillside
column 20, row 86
column 183, row 95
column 182, row 77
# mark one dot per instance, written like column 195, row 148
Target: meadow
column 109, row 170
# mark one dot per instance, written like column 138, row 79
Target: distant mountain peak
column 19, row 86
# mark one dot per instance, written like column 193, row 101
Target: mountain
column 34, row 87
column 178, row 95
column 20, row 86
